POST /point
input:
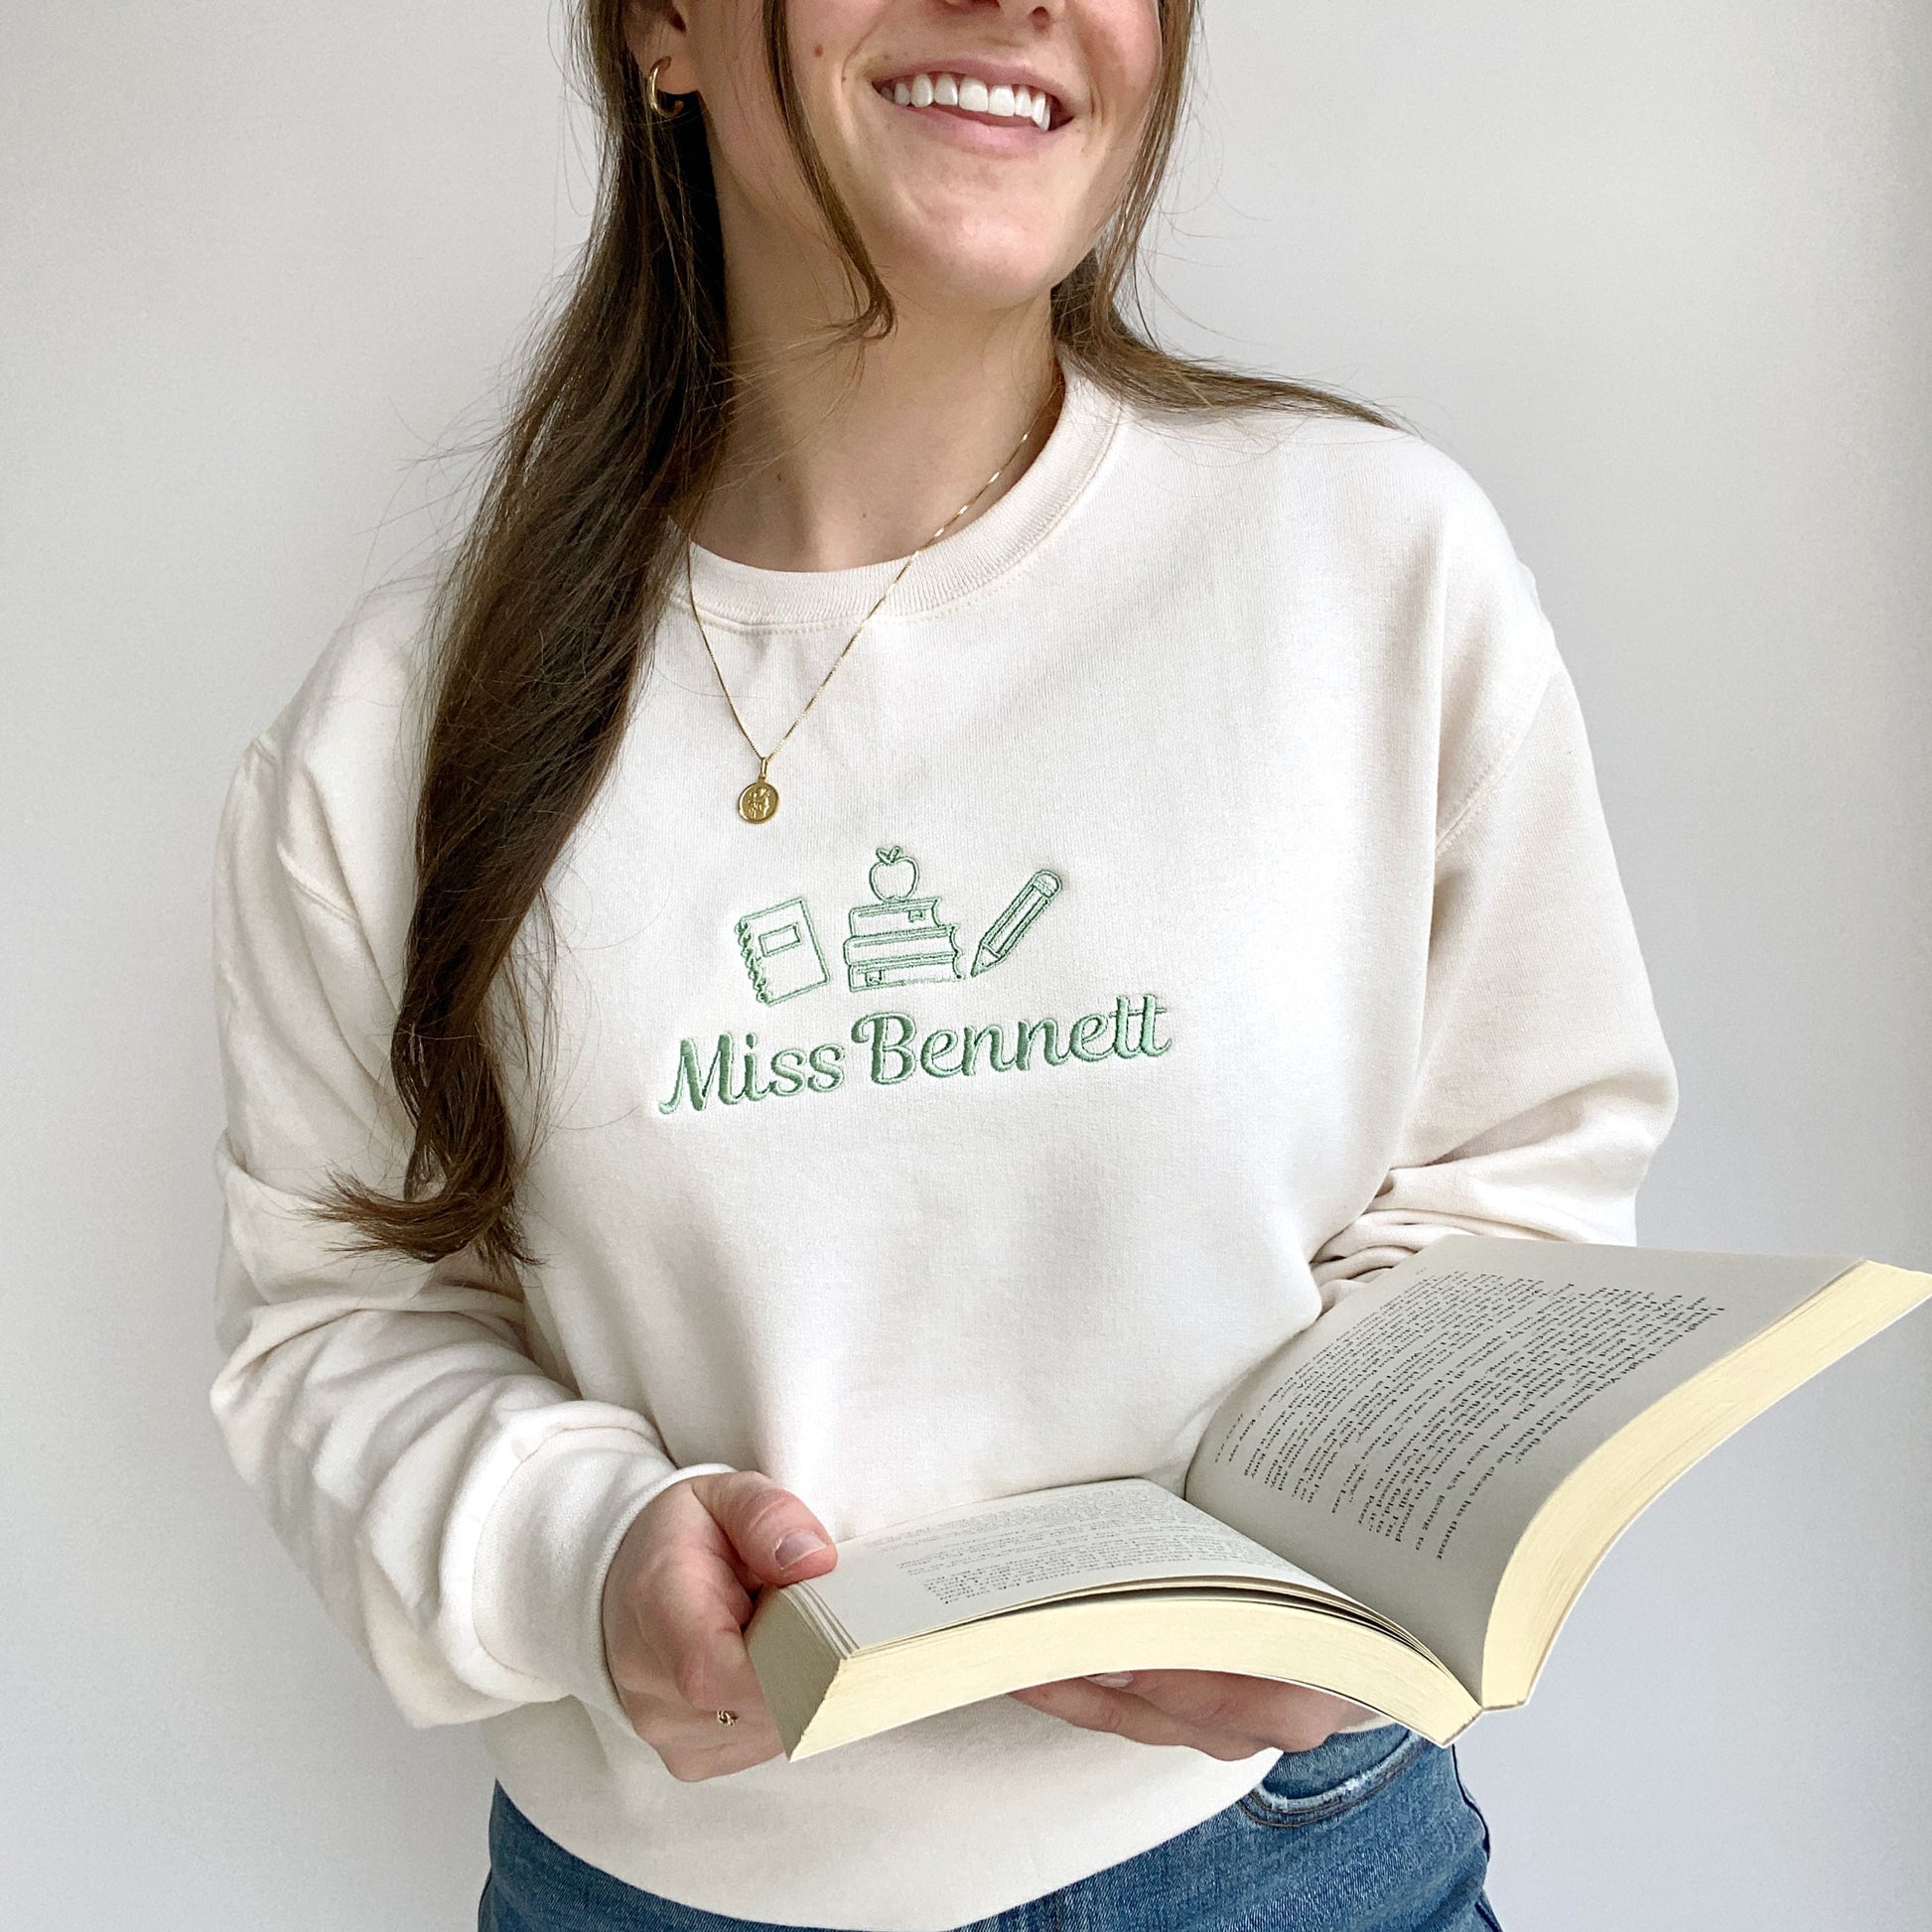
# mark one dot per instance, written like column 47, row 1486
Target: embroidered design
column 1005, row 932
column 782, row 951
column 898, row 940
column 895, row 1051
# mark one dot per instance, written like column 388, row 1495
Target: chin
column 1004, row 274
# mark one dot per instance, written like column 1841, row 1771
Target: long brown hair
column 546, row 610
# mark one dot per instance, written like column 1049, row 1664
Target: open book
column 1400, row 1505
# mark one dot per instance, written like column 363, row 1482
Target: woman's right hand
column 676, row 1600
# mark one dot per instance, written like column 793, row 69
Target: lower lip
column 991, row 134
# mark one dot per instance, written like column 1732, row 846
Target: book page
column 1401, row 1445
column 984, row 1557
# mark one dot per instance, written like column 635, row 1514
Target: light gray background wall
column 1656, row 273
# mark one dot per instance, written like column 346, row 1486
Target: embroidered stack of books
column 902, row 944
column 899, row 940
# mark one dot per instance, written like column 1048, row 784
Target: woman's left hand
column 1215, row 1711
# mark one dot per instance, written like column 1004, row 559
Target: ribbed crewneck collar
column 731, row 593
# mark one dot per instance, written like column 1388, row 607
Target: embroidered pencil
column 1031, row 900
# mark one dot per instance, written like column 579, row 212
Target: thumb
column 776, row 1536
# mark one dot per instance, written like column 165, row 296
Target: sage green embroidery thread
column 870, row 1032
column 1151, row 1012
column 782, row 951
column 896, row 1051
column 1005, row 932
column 941, row 1039
column 994, row 1039
column 1085, row 1030
column 898, row 940
column 1028, row 1032
column 732, row 1074
column 751, row 1089
column 698, row 1087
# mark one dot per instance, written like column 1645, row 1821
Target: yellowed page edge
column 1605, row 1493
column 878, row 1692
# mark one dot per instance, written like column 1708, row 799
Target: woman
column 674, row 1116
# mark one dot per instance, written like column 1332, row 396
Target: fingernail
column 1114, row 1680
column 796, row 1547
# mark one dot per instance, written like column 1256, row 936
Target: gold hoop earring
column 654, row 100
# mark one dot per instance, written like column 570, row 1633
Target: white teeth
column 975, row 96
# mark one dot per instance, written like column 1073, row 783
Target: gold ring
column 654, row 99
column 726, row 1717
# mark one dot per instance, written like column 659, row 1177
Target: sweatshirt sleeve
column 454, row 1506
column 1543, row 1085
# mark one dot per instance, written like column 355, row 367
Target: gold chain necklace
column 758, row 801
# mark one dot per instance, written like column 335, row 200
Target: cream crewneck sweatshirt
column 1190, row 897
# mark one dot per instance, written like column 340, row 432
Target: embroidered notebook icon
column 899, row 940
column 1005, row 932
column 782, row 951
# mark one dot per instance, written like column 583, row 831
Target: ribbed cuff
column 546, row 1548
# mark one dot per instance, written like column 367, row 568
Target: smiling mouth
column 966, row 95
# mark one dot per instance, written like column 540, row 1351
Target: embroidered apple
column 895, row 876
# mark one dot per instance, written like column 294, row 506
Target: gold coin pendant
column 758, row 802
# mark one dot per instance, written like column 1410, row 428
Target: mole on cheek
column 818, row 53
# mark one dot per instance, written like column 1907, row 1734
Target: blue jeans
column 1370, row 1832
